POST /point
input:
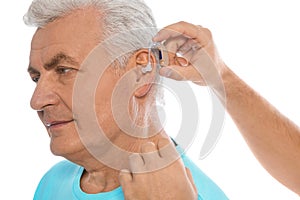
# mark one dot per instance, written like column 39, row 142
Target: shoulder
column 62, row 169
column 60, row 176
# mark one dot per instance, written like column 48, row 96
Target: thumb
column 179, row 73
column 173, row 72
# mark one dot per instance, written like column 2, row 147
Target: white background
column 259, row 40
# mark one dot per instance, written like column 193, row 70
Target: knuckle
column 182, row 23
column 208, row 33
column 205, row 35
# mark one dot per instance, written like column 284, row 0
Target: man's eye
column 63, row 70
column 35, row 78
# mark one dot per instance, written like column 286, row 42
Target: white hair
column 120, row 16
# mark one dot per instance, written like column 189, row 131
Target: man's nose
column 44, row 95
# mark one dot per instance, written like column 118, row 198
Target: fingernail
column 182, row 61
column 124, row 171
column 180, row 53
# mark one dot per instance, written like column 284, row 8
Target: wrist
column 220, row 83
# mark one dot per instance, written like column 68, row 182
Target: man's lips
column 57, row 123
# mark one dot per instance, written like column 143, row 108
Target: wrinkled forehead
column 78, row 30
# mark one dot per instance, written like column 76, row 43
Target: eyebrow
column 54, row 61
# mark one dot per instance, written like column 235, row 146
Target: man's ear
column 145, row 81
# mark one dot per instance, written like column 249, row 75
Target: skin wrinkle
column 54, row 62
column 58, row 86
column 58, row 59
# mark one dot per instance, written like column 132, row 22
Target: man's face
column 57, row 52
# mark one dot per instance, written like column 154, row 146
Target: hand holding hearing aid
column 192, row 54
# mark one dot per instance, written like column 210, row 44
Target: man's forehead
column 76, row 35
column 83, row 24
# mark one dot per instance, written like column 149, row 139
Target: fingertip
column 173, row 72
column 183, row 61
column 158, row 36
column 124, row 171
column 161, row 36
column 135, row 158
column 155, row 38
column 136, row 163
column 166, row 72
column 163, row 142
column 148, row 147
column 125, row 176
column 167, row 149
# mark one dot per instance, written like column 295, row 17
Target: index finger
column 198, row 33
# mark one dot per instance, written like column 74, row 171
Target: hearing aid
column 148, row 67
column 163, row 58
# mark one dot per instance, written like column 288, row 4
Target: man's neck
column 98, row 177
column 101, row 180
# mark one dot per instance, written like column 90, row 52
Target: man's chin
column 63, row 150
column 57, row 151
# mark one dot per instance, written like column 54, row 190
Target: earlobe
column 143, row 90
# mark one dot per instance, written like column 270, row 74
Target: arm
column 274, row 139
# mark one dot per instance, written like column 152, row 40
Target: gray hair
column 119, row 17
column 132, row 17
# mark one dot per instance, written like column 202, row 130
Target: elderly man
column 67, row 43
